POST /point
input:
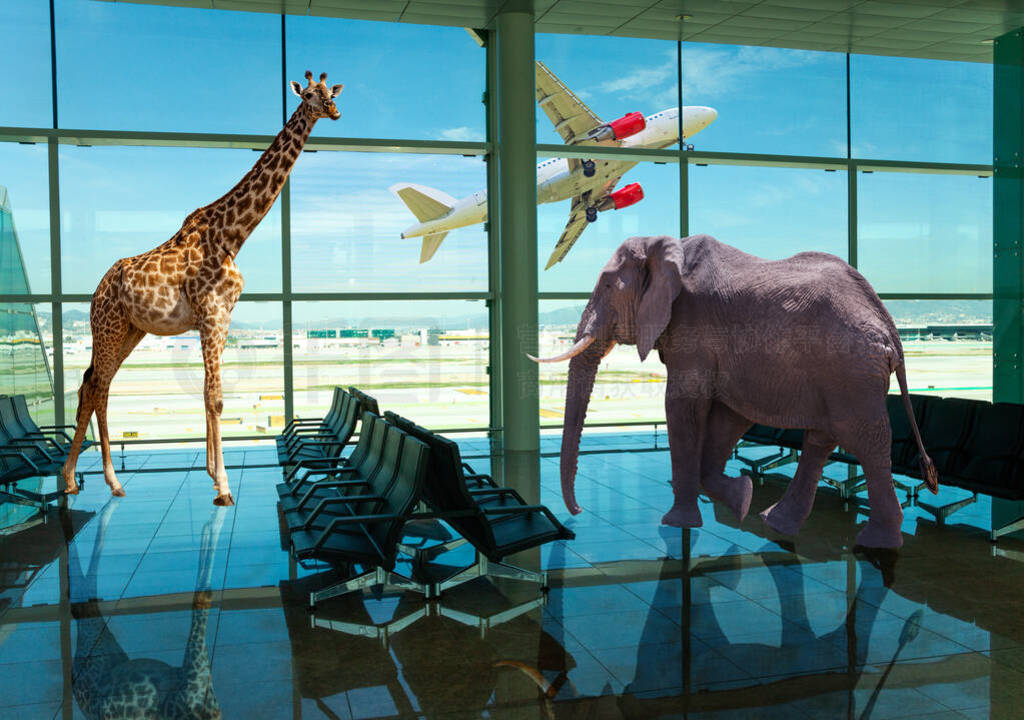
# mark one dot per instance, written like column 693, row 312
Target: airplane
column 590, row 183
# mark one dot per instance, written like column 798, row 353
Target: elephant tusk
column 610, row 348
column 568, row 354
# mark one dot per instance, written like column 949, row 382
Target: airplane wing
column 577, row 221
column 570, row 115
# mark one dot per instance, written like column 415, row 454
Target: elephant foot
column 875, row 535
column 681, row 516
column 734, row 493
column 783, row 520
column 225, row 500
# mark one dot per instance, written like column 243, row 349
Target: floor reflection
column 106, row 682
column 152, row 607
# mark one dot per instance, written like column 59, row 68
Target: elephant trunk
column 582, row 372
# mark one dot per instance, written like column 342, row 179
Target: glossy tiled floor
column 157, row 605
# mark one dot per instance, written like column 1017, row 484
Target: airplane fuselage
column 557, row 182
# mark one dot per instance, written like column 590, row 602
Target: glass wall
column 341, row 284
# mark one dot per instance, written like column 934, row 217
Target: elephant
column 802, row 342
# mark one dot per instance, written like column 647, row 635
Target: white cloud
column 461, row 134
column 708, row 72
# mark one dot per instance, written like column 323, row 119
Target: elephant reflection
column 109, row 685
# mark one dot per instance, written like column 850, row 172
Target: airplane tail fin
column 424, row 202
column 430, row 245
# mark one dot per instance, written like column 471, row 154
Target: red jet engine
column 629, row 195
column 625, row 126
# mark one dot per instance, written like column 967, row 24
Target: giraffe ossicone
column 190, row 282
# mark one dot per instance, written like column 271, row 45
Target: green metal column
column 493, row 246
column 1007, row 233
column 1008, row 218
column 517, row 225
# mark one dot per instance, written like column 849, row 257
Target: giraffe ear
column 336, row 90
column 296, row 88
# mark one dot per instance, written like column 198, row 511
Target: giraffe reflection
column 108, row 684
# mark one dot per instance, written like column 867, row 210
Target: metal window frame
column 55, row 136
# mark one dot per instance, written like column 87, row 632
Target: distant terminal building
column 947, row 331
column 380, row 334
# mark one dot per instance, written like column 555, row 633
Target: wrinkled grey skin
column 803, row 342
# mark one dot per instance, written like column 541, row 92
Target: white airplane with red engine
column 590, row 183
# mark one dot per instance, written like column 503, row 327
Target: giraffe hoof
column 224, row 500
column 117, row 492
column 71, row 490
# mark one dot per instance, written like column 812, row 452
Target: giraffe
column 109, row 685
column 190, row 282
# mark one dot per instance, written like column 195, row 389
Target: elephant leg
column 870, row 442
column 686, row 419
column 789, row 513
column 725, row 427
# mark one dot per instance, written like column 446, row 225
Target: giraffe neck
column 240, row 210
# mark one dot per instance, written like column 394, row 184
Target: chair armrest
column 543, row 509
column 293, row 490
column 56, row 427
column 44, row 438
column 15, row 453
column 349, row 520
column 327, row 502
column 323, row 472
column 298, row 421
column 25, row 442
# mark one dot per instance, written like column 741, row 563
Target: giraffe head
column 318, row 97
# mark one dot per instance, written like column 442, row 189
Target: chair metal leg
column 1014, row 526
column 486, row 623
column 390, row 582
column 761, row 465
column 944, row 511
column 381, row 632
column 429, row 553
column 484, row 567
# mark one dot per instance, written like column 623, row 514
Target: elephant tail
column 928, row 472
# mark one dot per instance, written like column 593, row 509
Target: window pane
column 925, row 233
column 158, row 392
column 612, row 76
column 25, row 59
column 770, row 212
column 347, row 225
column 656, row 214
column 926, row 110
column 401, row 80
column 125, row 66
column 427, row 361
column 769, row 100
column 947, row 345
column 121, row 201
column 626, row 390
column 23, row 172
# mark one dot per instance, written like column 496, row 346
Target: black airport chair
column 904, row 445
column 987, row 460
column 785, row 440
column 62, row 435
column 302, row 428
column 947, row 423
column 368, row 401
column 496, row 521
column 365, row 530
column 331, row 442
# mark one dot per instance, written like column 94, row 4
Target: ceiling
column 940, row 29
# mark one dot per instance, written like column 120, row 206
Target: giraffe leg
column 212, row 334
column 114, row 337
column 101, row 393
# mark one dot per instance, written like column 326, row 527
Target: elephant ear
column 664, row 266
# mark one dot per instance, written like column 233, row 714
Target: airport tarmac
column 158, row 396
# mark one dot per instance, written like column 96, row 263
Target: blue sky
column 126, row 66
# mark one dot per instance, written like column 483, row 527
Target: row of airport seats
column 318, row 439
column 28, row 450
column 358, row 510
column 977, row 446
